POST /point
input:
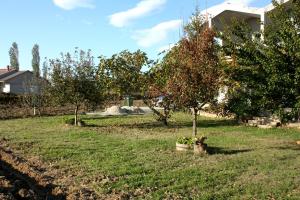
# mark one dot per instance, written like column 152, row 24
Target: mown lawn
column 135, row 155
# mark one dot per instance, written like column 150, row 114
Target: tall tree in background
column 14, row 56
column 36, row 60
column 195, row 77
column 45, row 68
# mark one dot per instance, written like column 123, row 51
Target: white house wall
column 6, row 88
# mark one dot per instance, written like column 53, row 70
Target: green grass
column 135, row 154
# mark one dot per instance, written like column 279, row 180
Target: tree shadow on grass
column 208, row 123
column 289, row 146
column 156, row 124
column 218, row 150
column 99, row 117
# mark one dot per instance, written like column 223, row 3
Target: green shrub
column 286, row 117
column 72, row 122
column 185, row 140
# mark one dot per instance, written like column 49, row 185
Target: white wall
column 6, row 88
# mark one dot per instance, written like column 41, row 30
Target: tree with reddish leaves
column 195, row 69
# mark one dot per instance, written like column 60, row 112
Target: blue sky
column 105, row 27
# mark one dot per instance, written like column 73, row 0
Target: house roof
column 5, row 72
column 240, row 7
column 231, row 6
column 12, row 75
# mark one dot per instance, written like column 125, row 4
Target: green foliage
column 45, row 68
column 155, row 89
column 185, row 140
column 14, row 56
column 288, row 116
column 122, row 73
column 36, row 60
column 264, row 73
column 71, row 121
column 74, row 80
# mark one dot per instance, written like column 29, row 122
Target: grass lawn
column 136, row 155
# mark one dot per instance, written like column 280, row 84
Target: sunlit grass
column 136, row 153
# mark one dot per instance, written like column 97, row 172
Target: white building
column 222, row 14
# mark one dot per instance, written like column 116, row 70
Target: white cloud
column 246, row 2
column 72, row 4
column 143, row 8
column 149, row 37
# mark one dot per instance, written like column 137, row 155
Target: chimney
column 8, row 68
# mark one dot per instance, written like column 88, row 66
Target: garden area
column 81, row 135
column 134, row 157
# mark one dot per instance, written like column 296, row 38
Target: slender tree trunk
column 165, row 121
column 156, row 112
column 76, row 115
column 166, row 115
column 195, row 113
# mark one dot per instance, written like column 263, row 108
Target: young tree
column 34, row 94
column 123, row 72
column 155, row 89
column 195, row 77
column 14, row 56
column 36, row 61
column 74, row 81
column 123, row 76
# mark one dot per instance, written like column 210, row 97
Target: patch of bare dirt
column 21, row 179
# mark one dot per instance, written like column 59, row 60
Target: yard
column 135, row 156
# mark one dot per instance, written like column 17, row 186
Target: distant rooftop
column 12, row 75
column 3, row 71
column 238, row 7
column 232, row 6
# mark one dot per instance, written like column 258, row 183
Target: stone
column 200, row 148
column 293, row 125
column 24, row 193
column 275, row 124
column 265, row 126
column 287, row 110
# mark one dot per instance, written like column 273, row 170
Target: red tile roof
column 2, row 71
